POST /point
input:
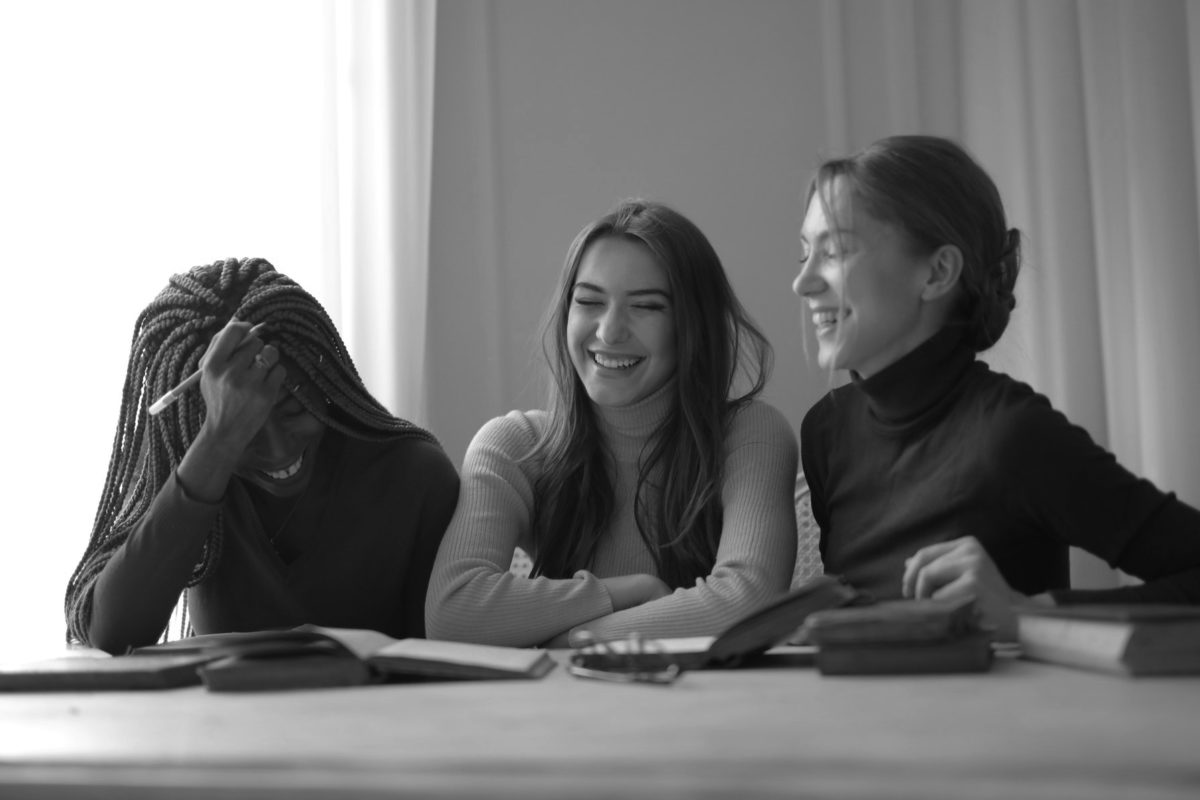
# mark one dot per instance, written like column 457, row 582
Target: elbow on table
column 453, row 609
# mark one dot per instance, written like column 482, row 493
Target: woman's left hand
column 962, row 567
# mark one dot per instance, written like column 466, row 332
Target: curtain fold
column 380, row 123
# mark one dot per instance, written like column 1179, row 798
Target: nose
column 613, row 327
column 808, row 282
column 274, row 441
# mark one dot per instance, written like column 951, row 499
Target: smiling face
column 620, row 323
column 862, row 284
column 282, row 456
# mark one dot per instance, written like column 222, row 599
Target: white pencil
column 191, row 380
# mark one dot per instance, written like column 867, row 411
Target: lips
column 286, row 472
column 825, row 319
column 615, row 362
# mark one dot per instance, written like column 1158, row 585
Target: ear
column 945, row 268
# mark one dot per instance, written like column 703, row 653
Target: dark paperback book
column 901, row 637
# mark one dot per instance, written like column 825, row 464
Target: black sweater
column 938, row 446
column 354, row 550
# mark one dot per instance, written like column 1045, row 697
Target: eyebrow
column 591, row 287
column 829, row 233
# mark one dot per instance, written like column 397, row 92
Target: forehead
column 843, row 212
column 618, row 264
column 831, row 206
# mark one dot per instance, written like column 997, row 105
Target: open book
column 305, row 657
column 311, row 655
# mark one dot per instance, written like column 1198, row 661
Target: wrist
column 207, row 466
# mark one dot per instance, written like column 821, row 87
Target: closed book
column 103, row 673
column 1128, row 639
column 901, row 637
column 311, row 656
column 971, row 652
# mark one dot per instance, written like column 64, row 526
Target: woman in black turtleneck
column 932, row 475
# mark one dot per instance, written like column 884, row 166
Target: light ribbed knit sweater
column 473, row 596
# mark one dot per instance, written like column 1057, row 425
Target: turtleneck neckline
column 626, row 428
column 906, row 390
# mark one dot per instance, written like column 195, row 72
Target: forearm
column 135, row 592
column 472, row 595
column 489, row 605
column 1182, row 587
column 706, row 609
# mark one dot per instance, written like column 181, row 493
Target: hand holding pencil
column 168, row 399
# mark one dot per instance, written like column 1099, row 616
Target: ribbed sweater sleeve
column 472, row 595
column 758, row 539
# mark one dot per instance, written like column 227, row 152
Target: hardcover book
column 1128, row 639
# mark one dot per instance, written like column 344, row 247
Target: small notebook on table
column 88, row 673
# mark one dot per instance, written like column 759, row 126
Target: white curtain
column 1085, row 112
column 379, row 125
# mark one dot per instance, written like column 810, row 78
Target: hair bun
column 1007, row 268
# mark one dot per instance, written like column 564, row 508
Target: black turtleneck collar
column 903, row 392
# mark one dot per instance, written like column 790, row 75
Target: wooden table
column 1022, row 730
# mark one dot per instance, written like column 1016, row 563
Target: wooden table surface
column 1021, row 730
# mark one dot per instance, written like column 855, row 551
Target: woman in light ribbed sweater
column 654, row 494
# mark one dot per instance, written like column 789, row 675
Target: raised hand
column 240, row 381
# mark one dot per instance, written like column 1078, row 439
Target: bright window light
column 139, row 139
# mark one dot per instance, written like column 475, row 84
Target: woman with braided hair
column 930, row 474
column 278, row 493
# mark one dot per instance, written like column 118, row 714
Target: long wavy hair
column 170, row 336
column 723, row 363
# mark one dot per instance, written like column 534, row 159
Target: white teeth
column 286, row 472
column 614, row 363
column 825, row 318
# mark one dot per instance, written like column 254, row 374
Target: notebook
column 97, row 673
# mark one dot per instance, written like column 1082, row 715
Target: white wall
column 548, row 112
